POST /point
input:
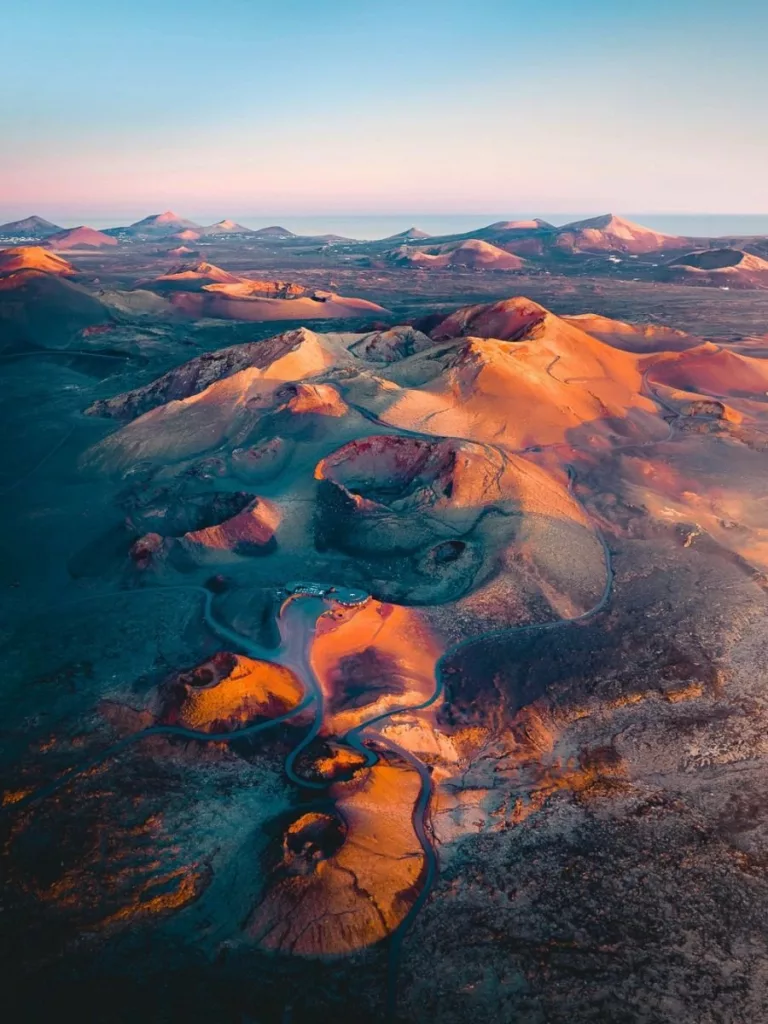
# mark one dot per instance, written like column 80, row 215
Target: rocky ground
column 389, row 674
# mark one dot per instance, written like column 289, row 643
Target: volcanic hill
column 33, row 257
column 609, row 233
column 225, row 227
column 723, row 267
column 473, row 254
column 204, row 290
column 81, row 237
column 158, row 225
column 29, row 227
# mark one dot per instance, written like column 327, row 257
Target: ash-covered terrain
column 384, row 624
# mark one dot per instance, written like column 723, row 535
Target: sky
column 244, row 107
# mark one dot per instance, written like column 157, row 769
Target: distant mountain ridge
column 612, row 233
column 29, row 227
column 604, row 233
column 156, row 225
column 226, row 227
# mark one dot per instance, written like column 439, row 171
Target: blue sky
column 344, row 106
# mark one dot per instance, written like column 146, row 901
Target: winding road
column 355, row 737
column 297, row 620
column 292, row 653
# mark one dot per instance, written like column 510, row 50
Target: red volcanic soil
column 509, row 372
column 473, row 254
column 204, row 290
column 33, row 257
column 248, row 532
column 300, row 348
column 512, row 372
column 79, row 238
column 640, row 338
column 168, row 223
column 503, row 231
column 533, row 553
column 370, row 659
column 385, row 496
column 226, row 227
column 251, row 300
column 725, row 267
column 500, row 227
column 347, row 879
column 230, row 691
column 450, row 477
column 507, row 319
column 191, row 277
column 713, row 371
column 245, row 288
column 610, row 233
column 522, row 237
